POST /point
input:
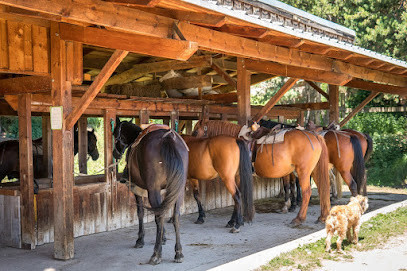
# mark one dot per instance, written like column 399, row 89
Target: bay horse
column 228, row 158
column 9, row 156
column 158, row 160
column 302, row 151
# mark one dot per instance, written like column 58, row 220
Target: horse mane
column 220, row 127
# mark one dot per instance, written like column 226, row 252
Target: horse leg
column 347, row 177
column 140, row 215
column 306, row 194
column 179, row 257
column 195, row 187
column 292, row 193
column 298, row 189
column 287, row 203
column 237, row 219
column 154, row 198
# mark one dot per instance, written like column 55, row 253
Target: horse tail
column 246, row 180
column 369, row 150
column 321, row 176
column 176, row 174
column 358, row 167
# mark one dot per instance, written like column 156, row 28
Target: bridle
column 119, row 140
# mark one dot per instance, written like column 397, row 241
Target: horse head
column 125, row 133
column 92, row 144
column 200, row 129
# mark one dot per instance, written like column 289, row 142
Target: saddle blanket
column 273, row 138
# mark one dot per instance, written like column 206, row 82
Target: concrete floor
column 204, row 246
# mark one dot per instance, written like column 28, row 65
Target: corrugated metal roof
column 229, row 8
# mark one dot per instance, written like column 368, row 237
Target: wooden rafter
column 258, row 78
column 94, row 89
column 148, row 3
column 297, row 72
column 358, row 108
column 272, row 102
column 224, row 75
column 370, row 86
column 168, row 48
column 317, row 88
column 26, row 84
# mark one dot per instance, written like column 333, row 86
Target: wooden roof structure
column 79, row 54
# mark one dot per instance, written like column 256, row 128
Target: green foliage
column 378, row 123
column 9, row 126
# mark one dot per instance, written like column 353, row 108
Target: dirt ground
column 391, row 257
column 204, row 246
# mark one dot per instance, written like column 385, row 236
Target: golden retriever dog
column 342, row 219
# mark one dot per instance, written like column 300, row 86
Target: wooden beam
column 94, row 89
column 272, row 102
column 148, row 3
column 243, row 92
column 109, row 118
column 25, row 84
column 224, row 75
column 197, row 81
column 144, row 117
column 62, row 142
column 141, row 44
column 225, row 98
column 160, row 66
column 83, row 144
column 309, row 106
column 317, row 88
column 28, row 234
column 333, row 103
column 297, row 72
column 359, row 107
column 244, row 31
column 370, row 86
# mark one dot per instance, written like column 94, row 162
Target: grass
column 373, row 234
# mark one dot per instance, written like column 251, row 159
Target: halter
column 119, row 139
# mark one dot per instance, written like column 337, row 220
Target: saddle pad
column 273, row 138
column 148, row 129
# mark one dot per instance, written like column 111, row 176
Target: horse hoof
column 230, row 225
column 295, row 223
column 291, row 209
column 179, row 257
column 234, row 230
column 139, row 244
column 320, row 221
column 199, row 221
column 171, row 220
column 154, row 260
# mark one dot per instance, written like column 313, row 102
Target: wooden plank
column 297, row 72
column 148, row 3
column 26, row 172
column 16, row 45
column 63, row 155
column 26, row 84
column 28, row 48
column 154, row 46
column 83, row 144
column 370, row 86
column 317, row 88
column 359, row 107
column 47, row 144
column 243, row 92
column 272, row 102
column 3, row 45
column 333, row 103
column 224, row 75
column 40, row 49
column 93, row 90
column 78, row 64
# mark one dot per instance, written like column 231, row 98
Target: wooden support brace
column 26, row 172
column 358, row 108
column 272, row 102
column 317, row 88
column 96, row 86
column 224, row 75
column 188, row 127
column 333, row 103
column 83, row 144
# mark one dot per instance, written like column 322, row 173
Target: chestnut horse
column 159, row 160
column 228, row 158
column 302, row 151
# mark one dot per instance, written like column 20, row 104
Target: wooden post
column 62, row 141
column 144, row 117
column 166, row 121
column 47, row 144
column 26, row 172
column 224, row 116
column 110, row 173
column 243, row 92
column 83, row 144
column 174, row 120
column 334, row 116
column 301, row 119
column 188, row 126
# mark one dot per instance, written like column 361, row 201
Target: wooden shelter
column 108, row 58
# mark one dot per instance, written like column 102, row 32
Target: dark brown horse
column 9, row 156
column 228, row 158
column 302, row 151
column 157, row 161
